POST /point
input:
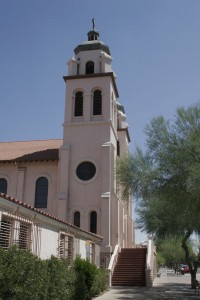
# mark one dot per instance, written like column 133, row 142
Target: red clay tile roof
column 23, row 204
column 36, row 150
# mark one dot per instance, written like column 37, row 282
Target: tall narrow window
column 78, row 108
column 41, row 193
column 3, row 185
column 77, row 218
column 89, row 68
column 93, row 222
column 118, row 148
column 97, row 103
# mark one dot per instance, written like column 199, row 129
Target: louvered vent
column 20, row 231
column 5, row 233
column 66, row 247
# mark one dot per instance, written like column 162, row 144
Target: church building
column 74, row 178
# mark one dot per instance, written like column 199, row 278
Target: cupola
column 93, row 35
column 91, row 57
column 93, row 42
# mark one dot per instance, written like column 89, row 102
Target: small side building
column 43, row 234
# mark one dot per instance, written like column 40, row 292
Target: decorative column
column 105, row 198
column 63, row 182
column 20, row 183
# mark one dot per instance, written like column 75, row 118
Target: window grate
column 6, row 233
column 24, row 236
column 86, row 170
column 66, row 247
column 20, row 231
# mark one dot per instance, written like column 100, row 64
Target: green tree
column 165, row 178
column 171, row 253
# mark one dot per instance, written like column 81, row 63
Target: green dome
column 92, row 43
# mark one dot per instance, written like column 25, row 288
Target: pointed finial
column 93, row 24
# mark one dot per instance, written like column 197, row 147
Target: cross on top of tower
column 93, row 24
column 93, row 35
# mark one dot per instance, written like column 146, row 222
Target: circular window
column 86, row 171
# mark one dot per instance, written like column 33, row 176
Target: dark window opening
column 86, row 171
column 41, row 193
column 77, row 219
column 3, row 185
column 78, row 109
column 93, row 222
column 78, row 69
column 89, row 67
column 97, row 103
column 118, row 148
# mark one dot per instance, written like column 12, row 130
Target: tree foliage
column 170, row 252
column 165, row 178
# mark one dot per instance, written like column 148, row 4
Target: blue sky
column 155, row 45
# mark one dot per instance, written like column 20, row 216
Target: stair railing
column 151, row 262
column 113, row 261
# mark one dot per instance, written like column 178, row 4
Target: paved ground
column 168, row 286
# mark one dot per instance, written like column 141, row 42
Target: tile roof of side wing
column 35, row 150
column 31, row 208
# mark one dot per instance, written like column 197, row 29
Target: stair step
column 130, row 267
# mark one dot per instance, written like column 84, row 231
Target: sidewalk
column 168, row 286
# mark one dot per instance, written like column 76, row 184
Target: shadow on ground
column 181, row 292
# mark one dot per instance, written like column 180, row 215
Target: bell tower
column 87, row 187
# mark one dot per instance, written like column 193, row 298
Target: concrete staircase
column 130, row 268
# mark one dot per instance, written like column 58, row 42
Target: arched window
column 3, row 185
column 41, row 193
column 78, row 107
column 89, row 68
column 97, row 103
column 93, row 222
column 77, row 219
